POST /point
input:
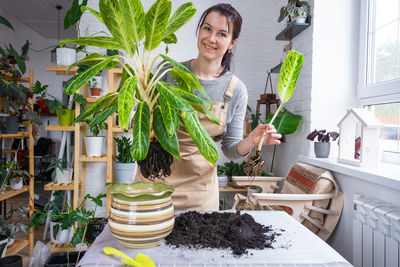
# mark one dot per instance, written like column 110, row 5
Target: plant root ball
column 157, row 164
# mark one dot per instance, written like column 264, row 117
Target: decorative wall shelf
column 277, row 68
column 292, row 30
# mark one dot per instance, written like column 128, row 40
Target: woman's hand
column 271, row 137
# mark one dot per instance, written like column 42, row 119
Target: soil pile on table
column 220, row 230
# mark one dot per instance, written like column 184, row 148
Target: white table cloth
column 296, row 246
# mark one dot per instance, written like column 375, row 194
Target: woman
column 194, row 178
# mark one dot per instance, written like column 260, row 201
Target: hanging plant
column 160, row 107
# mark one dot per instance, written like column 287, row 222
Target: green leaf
column 78, row 236
column 56, row 229
column 169, row 94
column 133, row 15
column 85, row 76
column 180, row 17
column 170, row 39
column 80, row 99
column 168, row 142
column 126, row 101
column 20, row 61
column 94, row 59
column 112, row 16
column 155, row 22
column 288, row 75
column 103, row 103
column 94, row 12
column 168, row 112
column 191, row 98
column 98, row 41
column 182, row 74
column 200, row 137
column 286, row 122
column 25, row 49
column 102, row 116
column 73, row 14
column 141, row 132
column 6, row 23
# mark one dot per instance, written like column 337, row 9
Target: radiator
column 376, row 233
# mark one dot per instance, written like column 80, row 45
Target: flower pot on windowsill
column 94, row 146
column 65, row 117
column 95, row 92
column 322, row 149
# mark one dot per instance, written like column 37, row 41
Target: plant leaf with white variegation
column 156, row 20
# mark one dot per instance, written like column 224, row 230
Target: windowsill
column 386, row 174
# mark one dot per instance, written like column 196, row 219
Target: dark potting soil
column 220, row 230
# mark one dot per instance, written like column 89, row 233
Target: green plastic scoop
column 140, row 260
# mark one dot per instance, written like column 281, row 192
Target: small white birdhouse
column 370, row 129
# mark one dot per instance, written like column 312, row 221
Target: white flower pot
column 10, row 241
column 94, row 145
column 301, row 19
column 16, row 183
column 222, row 181
column 125, row 172
column 63, row 236
column 65, row 56
column 65, row 176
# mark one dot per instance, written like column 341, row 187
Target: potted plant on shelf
column 95, row 85
column 61, row 173
column 94, row 143
column 17, row 176
column 65, row 116
column 13, row 95
column 125, row 167
column 322, row 146
column 9, row 227
column 295, row 9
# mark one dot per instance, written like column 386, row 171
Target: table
column 297, row 246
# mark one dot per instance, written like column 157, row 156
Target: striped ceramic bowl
column 142, row 214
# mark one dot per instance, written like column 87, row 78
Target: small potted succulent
column 65, row 115
column 125, row 167
column 322, row 146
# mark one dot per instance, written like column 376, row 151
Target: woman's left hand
column 271, row 137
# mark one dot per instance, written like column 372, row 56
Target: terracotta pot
column 142, row 214
column 95, row 91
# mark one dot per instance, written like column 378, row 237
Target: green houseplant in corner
column 160, row 107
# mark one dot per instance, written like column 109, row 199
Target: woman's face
column 215, row 38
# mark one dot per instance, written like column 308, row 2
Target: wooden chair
column 310, row 194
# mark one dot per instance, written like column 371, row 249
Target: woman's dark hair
column 231, row 15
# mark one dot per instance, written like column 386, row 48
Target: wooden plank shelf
column 9, row 77
column 10, row 192
column 93, row 159
column 61, row 247
column 17, row 135
column 16, row 247
column 62, row 70
column 92, row 99
column 60, row 128
column 117, row 129
column 9, row 150
column 57, row 186
column 231, row 189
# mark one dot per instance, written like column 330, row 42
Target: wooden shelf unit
column 59, row 128
column 16, row 247
column 57, row 186
column 20, row 244
column 62, row 70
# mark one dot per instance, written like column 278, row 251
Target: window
column 379, row 69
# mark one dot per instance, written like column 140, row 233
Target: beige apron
column 194, row 178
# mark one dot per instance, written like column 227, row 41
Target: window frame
column 380, row 93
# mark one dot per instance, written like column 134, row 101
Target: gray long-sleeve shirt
column 233, row 132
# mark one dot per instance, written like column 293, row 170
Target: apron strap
column 231, row 87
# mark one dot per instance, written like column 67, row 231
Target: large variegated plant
column 160, row 107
